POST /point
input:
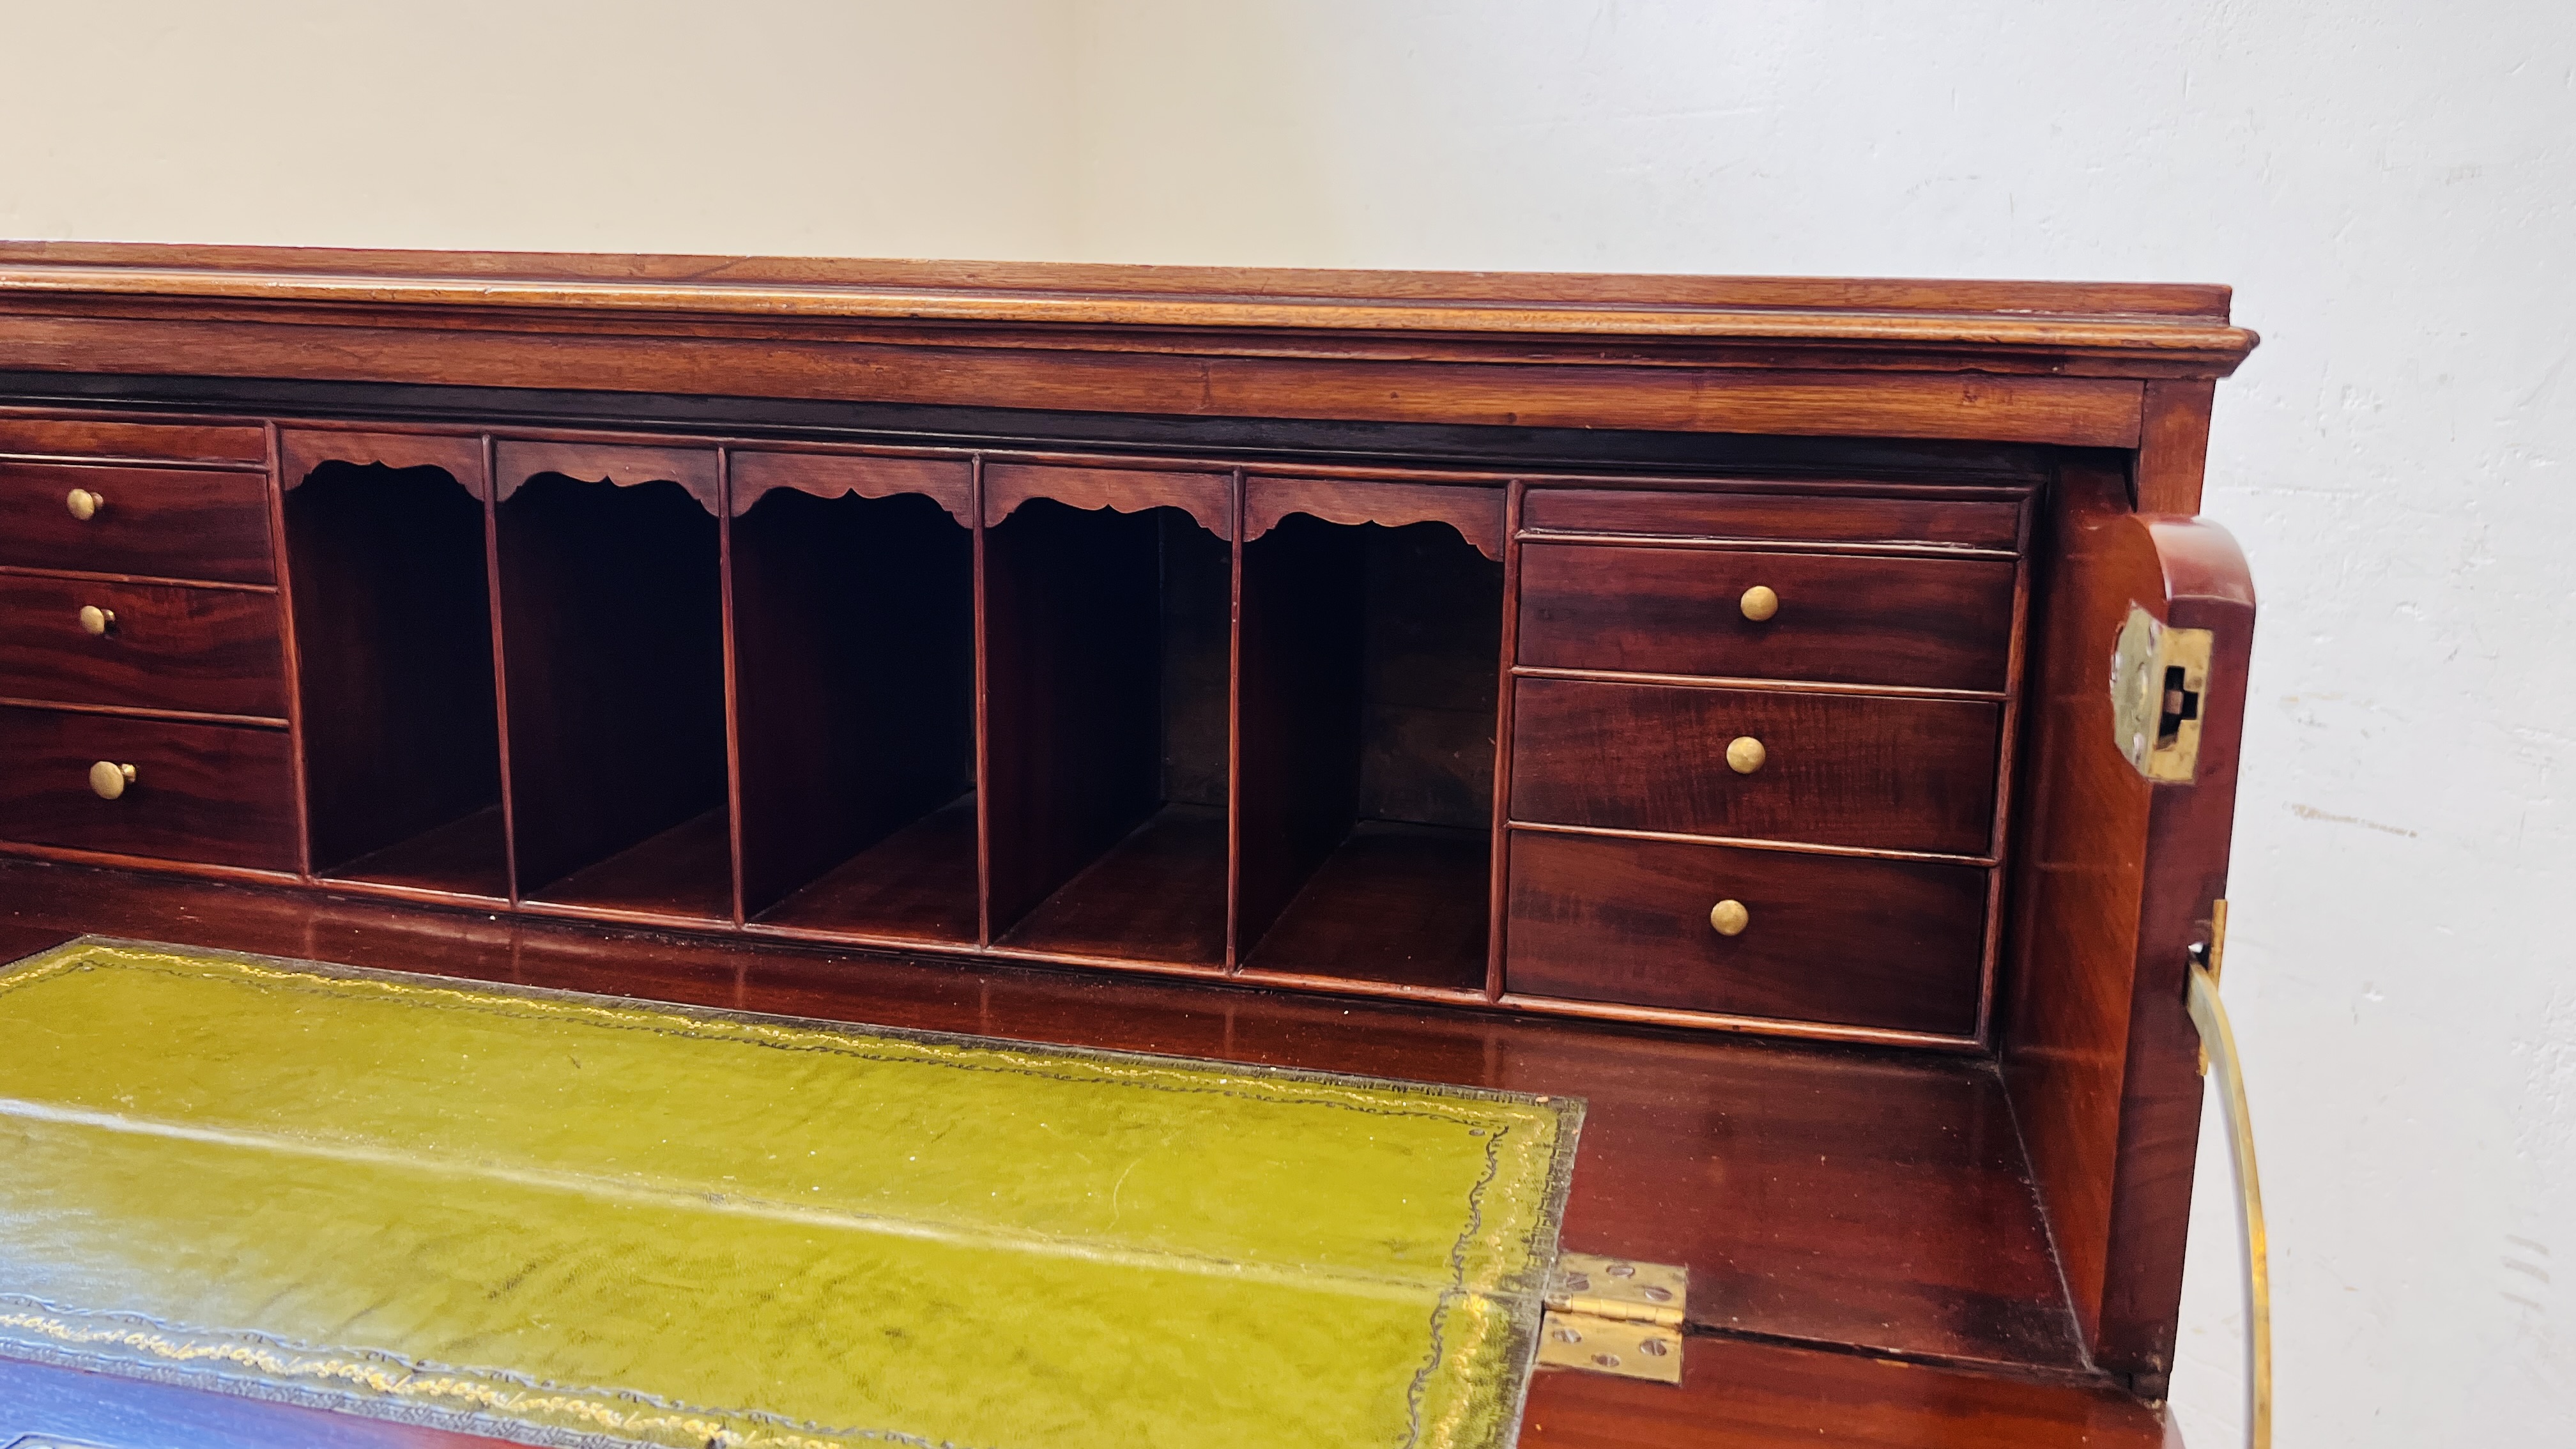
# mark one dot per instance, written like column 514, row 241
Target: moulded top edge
column 2138, row 319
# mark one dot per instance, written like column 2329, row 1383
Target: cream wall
column 2390, row 187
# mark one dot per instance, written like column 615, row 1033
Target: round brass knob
column 1759, row 603
column 107, row 779
column 1729, row 918
column 83, row 504
column 1744, row 754
column 95, row 620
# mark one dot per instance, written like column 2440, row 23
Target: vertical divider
column 1499, row 891
column 282, row 565
column 732, row 701
column 1234, row 742
column 500, row 664
column 1990, row 969
column 983, row 731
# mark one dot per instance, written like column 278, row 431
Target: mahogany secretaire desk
column 1799, row 717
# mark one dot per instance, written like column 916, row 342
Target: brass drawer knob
column 1729, row 918
column 1744, row 754
column 1759, row 603
column 83, row 504
column 96, row 621
column 107, row 779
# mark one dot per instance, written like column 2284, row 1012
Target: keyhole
column 2180, row 704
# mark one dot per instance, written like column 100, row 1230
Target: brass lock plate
column 2159, row 676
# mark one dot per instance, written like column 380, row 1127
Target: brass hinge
column 2159, row 676
column 1615, row 1316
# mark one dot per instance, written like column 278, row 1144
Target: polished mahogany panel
column 697, row 471
column 1475, row 512
column 1852, row 770
column 1857, row 942
column 949, row 481
column 2113, row 884
column 1207, row 497
column 1745, row 1394
column 304, row 452
column 917, row 884
column 1911, row 622
column 167, row 647
column 215, row 793
column 114, row 438
column 1928, row 519
column 168, row 523
column 1393, row 903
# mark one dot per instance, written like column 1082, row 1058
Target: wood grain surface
column 1477, row 513
column 1884, row 943
column 948, row 481
column 1928, row 521
column 203, row 651
column 163, row 523
column 2113, row 882
column 1923, row 623
column 1847, row 770
column 1206, row 497
column 213, row 793
column 106, row 438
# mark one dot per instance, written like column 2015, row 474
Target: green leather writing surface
column 564, row 1218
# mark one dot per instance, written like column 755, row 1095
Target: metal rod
column 2218, row 1041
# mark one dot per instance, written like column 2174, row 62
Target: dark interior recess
column 854, row 666
column 393, row 635
column 612, row 637
column 1107, row 643
column 1370, row 666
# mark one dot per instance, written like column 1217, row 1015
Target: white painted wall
column 2391, row 187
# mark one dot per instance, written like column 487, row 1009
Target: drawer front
column 1891, row 944
column 216, row 793
column 1838, row 769
column 206, row 651
column 1987, row 523
column 115, row 438
column 162, row 522
column 1838, row 619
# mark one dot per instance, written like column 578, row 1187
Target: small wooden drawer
column 164, row 646
column 1836, row 769
column 1831, row 618
column 116, row 438
column 1892, row 944
column 1978, row 523
column 172, row 523
column 221, row 794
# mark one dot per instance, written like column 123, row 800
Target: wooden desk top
column 1827, row 1310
